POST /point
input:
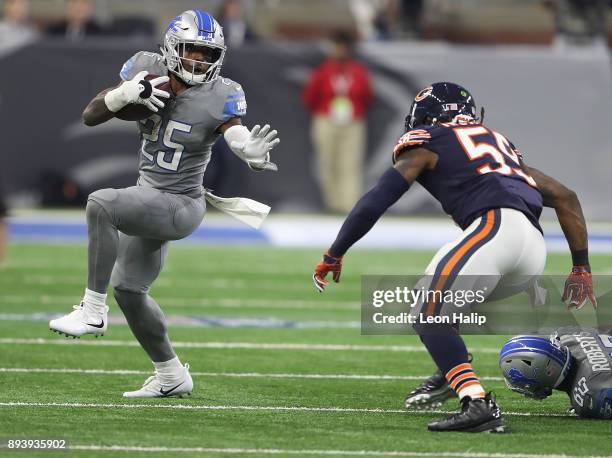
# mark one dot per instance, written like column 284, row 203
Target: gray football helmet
column 194, row 28
column 533, row 365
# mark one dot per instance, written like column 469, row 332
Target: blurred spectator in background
column 15, row 27
column 133, row 26
column 411, row 13
column 338, row 94
column 3, row 231
column 236, row 30
column 79, row 21
column 385, row 21
column 579, row 22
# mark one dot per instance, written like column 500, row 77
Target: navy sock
column 448, row 350
column 445, row 346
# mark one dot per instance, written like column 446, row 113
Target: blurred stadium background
column 540, row 67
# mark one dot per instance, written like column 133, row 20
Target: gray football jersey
column 591, row 377
column 176, row 141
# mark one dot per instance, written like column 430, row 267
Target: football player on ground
column 481, row 181
column 578, row 362
column 129, row 228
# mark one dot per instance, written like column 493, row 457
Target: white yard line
column 231, row 345
column 199, row 283
column 227, row 302
column 78, row 405
column 230, row 270
column 276, row 451
column 42, row 370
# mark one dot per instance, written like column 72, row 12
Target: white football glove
column 255, row 149
column 137, row 90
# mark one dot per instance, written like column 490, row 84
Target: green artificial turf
column 248, row 398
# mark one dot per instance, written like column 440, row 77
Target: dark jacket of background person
column 236, row 28
column 79, row 21
column 63, row 28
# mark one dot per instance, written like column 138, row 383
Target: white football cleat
column 83, row 320
column 154, row 388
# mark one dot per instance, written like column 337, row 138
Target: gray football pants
column 129, row 230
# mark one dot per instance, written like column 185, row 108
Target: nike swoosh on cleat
column 101, row 325
column 166, row 393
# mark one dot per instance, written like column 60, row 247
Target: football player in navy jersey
column 481, row 181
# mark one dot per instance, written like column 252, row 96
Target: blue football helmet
column 533, row 365
column 441, row 102
column 194, row 28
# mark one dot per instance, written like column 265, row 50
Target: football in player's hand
column 136, row 111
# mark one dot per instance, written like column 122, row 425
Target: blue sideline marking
column 78, row 231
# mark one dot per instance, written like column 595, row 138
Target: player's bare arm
column 555, row 195
column 412, row 163
column 96, row 112
column 391, row 186
column 567, row 206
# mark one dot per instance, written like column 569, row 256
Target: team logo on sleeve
column 413, row 138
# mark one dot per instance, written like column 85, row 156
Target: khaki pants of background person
column 340, row 150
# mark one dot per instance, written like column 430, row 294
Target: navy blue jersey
column 477, row 169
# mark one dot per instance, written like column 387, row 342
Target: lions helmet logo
column 423, row 94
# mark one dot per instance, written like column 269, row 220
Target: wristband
column 580, row 257
column 115, row 99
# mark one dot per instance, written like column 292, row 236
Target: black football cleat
column 430, row 394
column 477, row 416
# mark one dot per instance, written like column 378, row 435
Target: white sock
column 171, row 370
column 95, row 301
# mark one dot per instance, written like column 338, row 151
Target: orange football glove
column 328, row 264
column 579, row 288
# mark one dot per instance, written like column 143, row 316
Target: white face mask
column 193, row 28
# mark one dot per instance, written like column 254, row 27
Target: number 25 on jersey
column 176, row 149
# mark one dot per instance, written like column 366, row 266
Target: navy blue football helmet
column 440, row 102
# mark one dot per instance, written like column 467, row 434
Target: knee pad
column 141, row 311
column 122, row 282
column 102, row 199
column 128, row 299
column 102, row 196
column 98, row 203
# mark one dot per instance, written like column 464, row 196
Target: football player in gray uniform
column 576, row 361
column 129, row 229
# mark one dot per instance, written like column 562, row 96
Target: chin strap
column 565, row 370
